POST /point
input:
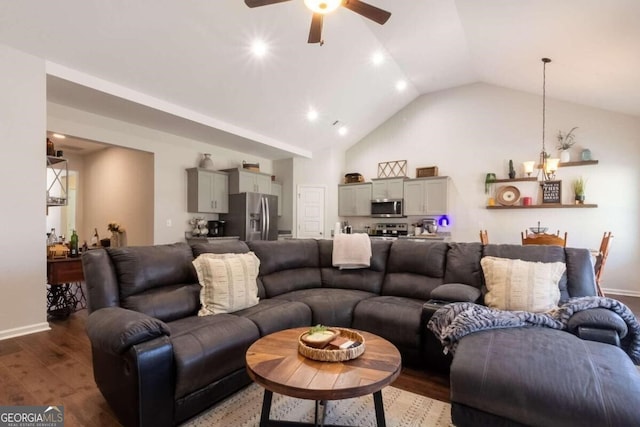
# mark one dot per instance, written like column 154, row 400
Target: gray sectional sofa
column 157, row 363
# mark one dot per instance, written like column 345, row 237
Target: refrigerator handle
column 263, row 218
column 268, row 227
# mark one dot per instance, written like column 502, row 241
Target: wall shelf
column 547, row 206
column 579, row 163
column 528, row 179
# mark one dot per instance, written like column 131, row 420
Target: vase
column 115, row 239
column 206, row 162
column 565, row 156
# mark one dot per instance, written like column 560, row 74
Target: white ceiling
column 185, row 67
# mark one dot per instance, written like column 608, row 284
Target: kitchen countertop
column 208, row 239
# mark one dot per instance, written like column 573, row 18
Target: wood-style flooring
column 54, row 368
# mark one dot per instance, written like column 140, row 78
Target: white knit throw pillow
column 228, row 282
column 514, row 284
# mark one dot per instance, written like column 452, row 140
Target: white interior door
column 310, row 212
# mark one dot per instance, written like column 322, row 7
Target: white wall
column 172, row 156
column 475, row 129
column 23, row 273
column 119, row 188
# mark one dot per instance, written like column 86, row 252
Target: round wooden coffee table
column 274, row 362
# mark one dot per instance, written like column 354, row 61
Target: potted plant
column 565, row 142
column 578, row 189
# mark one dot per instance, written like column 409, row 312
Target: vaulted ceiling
column 186, row 67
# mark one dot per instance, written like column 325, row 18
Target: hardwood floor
column 54, row 368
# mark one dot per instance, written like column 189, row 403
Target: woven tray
column 340, row 355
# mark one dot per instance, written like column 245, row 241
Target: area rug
column 402, row 409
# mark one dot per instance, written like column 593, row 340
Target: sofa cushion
column 456, row 292
column 287, row 265
column 228, row 282
column 139, row 268
column 330, row 307
column 544, row 377
column 513, row 284
column 463, row 264
column 272, row 315
column 363, row 279
column 221, row 247
column 166, row 303
column 397, row 319
column 208, row 348
column 414, row 269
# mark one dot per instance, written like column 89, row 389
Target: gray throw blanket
column 455, row 320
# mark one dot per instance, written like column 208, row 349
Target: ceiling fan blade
column 374, row 13
column 257, row 3
column 315, row 32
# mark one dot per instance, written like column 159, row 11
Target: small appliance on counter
column 216, row 228
column 430, row 225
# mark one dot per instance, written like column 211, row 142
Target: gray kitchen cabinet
column 244, row 181
column 207, row 191
column 276, row 190
column 354, row 199
column 387, row 188
column 426, row 196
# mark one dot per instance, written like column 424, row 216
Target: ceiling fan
column 323, row 7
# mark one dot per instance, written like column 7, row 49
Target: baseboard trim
column 24, row 330
column 621, row 292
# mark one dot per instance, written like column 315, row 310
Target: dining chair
column 484, row 237
column 601, row 259
column 544, row 239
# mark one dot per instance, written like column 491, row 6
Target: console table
column 64, row 293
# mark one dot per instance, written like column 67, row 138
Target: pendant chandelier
column 547, row 166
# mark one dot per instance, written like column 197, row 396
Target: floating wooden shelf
column 533, row 178
column 546, row 206
column 580, row 163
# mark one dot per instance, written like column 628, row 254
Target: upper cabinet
column 244, row 181
column 207, row 191
column 426, row 196
column 354, row 199
column 387, row 188
column 276, row 190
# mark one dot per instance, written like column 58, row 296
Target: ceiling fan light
column 322, row 6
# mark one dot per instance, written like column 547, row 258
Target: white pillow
column 228, row 282
column 514, row 284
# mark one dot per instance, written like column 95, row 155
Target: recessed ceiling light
column 343, row 130
column 58, row 135
column 259, row 48
column 401, row 85
column 377, row 58
column 312, row 115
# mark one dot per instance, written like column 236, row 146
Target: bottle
column 74, row 244
column 95, row 240
column 53, row 237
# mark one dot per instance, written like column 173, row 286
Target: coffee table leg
column 266, row 408
column 377, row 401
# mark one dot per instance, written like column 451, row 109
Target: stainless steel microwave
column 387, row 208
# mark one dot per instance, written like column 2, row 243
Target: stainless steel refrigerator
column 252, row 216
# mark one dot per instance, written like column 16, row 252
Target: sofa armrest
column 600, row 318
column 115, row 329
column 456, row 292
column 607, row 336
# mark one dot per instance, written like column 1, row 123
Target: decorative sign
column 552, row 192
column 396, row 168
